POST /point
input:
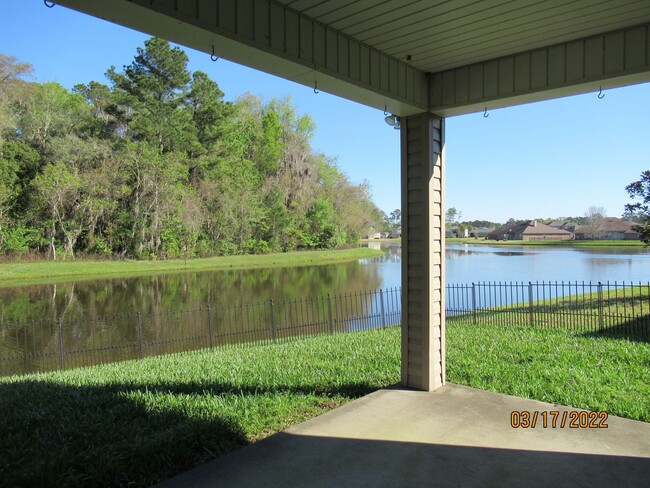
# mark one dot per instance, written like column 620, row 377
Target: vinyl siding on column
column 423, row 268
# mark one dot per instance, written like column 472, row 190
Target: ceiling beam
column 270, row 37
column 610, row 60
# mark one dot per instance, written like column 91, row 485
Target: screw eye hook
column 213, row 56
column 385, row 113
column 49, row 4
column 316, row 88
column 601, row 95
column 486, row 114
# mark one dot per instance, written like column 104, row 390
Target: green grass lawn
column 43, row 272
column 597, row 373
column 143, row 421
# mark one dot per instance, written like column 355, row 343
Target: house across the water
column 530, row 230
column 481, row 232
column 453, row 232
column 564, row 225
column 608, row 228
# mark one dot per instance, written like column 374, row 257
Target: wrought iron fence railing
column 50, row 344
column 620, row 309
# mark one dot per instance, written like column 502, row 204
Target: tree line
column 156, row 164
column 593, row 217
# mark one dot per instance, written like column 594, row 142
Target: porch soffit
column 439, row 35
column 446, row 56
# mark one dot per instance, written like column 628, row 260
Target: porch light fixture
column 393, row 121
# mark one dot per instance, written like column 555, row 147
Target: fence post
column 647, row 324
column 329, row 313
column 140, row 336
column 210, row 326
column 600, row 306
column 272, row 319
column 530, row 304
column 61, row 361
column 383, row 311
column 474, row 303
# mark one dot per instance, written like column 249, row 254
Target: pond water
column 465, row 264
column 50, row 326
column 148, row 294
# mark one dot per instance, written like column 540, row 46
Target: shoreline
column 568, row 244
column 49, row 272
column 549, row 243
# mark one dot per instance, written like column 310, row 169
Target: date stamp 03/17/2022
column 556, row 419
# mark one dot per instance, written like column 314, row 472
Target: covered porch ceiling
column 448, row 57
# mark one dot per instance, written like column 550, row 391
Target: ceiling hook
column 601, row 95
column 385, row 113
column 213, row 56
column 486, row 114
column 316, row 88
column 49, row 4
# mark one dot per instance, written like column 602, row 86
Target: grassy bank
column 143, row 421
column 385, row 239
column 43, row 272
column 578, row 244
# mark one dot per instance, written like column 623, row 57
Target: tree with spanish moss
column 641, row 210
column 156, row 164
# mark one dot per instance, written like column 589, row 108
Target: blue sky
column 549, row 159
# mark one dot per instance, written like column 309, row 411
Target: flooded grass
column 141, row 422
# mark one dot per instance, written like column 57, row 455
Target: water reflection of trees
column 184, row 290
column 392, row 252
column 100, row 317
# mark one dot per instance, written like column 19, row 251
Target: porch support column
column 423, row 245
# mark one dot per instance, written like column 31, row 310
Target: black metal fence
column 620, row 309
column 61, row 344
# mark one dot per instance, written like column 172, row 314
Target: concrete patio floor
column 454, row 436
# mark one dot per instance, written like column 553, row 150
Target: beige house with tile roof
column 611, row 229
column 530, row 230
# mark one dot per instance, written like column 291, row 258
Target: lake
column 465, row 264
column 48, row 327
